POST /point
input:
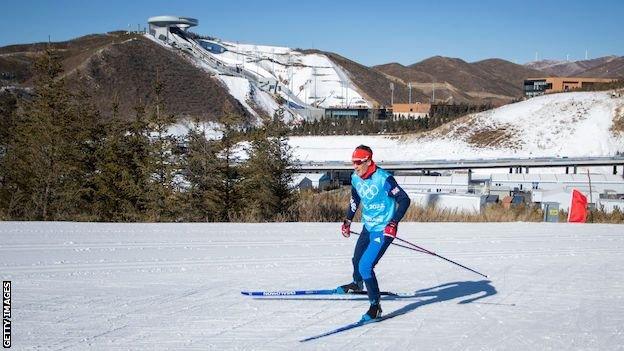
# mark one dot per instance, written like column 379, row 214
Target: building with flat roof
column 402, row 111
column 161, row 26
column 541, row 86
column 345, row 112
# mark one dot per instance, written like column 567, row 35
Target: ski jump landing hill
column 270, row 77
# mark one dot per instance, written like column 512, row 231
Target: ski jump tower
column 159, row 26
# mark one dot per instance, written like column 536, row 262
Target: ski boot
column 374, row 312
column 350, row 288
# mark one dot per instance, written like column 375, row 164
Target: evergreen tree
column 8, row 107
column 203, row 201
column 163, row 161
column 123, row 178
column 38, row 161
column 268, row 173
column 89, row 133
column 227, row 170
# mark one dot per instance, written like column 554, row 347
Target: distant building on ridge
column 541, row 86
column 416, row 110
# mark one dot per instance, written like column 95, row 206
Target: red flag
column 578, row 207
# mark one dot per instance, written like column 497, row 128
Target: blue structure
column 212, row 46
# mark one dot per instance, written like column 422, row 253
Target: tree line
column 438, row 115
column 61, row 160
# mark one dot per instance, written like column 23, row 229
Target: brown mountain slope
column 374, row 85
column 425, row 83
column 16, row 60
column 469, row 78
column 509, row 72
column 121, row 67
column 406, row 74
column 568, row 68
column 15, row 69
column 612, row 69
column 489, row 81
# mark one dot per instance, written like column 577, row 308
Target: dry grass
column 600, row 216
column 331, row 206
column 491, row 137
column 492, row 213
column 618, row 121
column 328, row 206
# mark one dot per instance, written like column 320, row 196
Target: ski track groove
column 237, row 261
column 554, row 279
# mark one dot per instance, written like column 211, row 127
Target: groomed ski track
column 79, row 286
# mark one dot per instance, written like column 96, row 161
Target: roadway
column 517, row 164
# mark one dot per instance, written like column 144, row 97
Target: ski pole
column 423, row 250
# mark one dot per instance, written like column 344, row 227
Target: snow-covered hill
column 566, row 124
column 271, row 77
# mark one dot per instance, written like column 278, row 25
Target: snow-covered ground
column 567, row 124
column 80, row 286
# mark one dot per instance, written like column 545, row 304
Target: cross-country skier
column 384, row 204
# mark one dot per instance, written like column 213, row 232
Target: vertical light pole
column 391, row 93
column 409, row 87
column 314, row 73
column 290, row 72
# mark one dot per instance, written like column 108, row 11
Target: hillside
column 573, row 68
column 493, row 80
column 508, row 72
column 16, row 60
column 128, row 71
column 423, row 83
column 117, row 66
column 373, row 84
column 124, row 66
column 254, row 80
column 566, row 124
column 612, row 69
column 572, row 124
column 474, row 79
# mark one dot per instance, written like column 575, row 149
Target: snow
column 177, row 286
column 311, row 79
column 575, row 122
column 212, row 130
column 239, row 88
column 566, row 124
column 267, row 103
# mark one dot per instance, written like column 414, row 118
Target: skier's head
column 362, row 158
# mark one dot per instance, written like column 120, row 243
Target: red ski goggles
column 359, row 162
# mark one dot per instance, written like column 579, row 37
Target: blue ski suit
column 383, row 201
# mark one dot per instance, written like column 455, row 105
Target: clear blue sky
column 369, row 32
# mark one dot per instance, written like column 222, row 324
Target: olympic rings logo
column 366, row 191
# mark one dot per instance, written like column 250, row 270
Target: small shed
column 303, row 181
